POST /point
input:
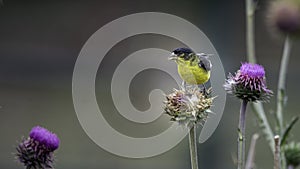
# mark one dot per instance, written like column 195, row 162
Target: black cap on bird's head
column 181, row 52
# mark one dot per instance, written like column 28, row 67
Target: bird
column 193, row 68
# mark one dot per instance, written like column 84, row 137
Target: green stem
column 193, row 147
column 264, row 124
column 250, row 38
column 282, row 82
column 277, row 163
column 251, row 154
column 241, row 138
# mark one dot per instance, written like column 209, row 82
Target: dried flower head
column 292, row 154
column 248, row 83
column 284, row 16
column 37, row 150
column 188, row 106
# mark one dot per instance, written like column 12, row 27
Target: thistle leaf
column 288, row 129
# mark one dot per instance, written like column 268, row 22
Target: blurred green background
column 39, row 45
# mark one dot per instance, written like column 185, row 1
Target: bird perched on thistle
column 194, row 69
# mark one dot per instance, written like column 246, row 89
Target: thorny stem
column 251, row 154
column 250, row 39
column 277, row 163
column 193, row 147
column 241, row 137
column 282, row 82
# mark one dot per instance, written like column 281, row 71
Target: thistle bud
column 292, row 154
column 284, row 16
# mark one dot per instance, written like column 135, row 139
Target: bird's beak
column 173, row 57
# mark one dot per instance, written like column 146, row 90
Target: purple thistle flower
column 45, row 137
column 252, row 70
column 248, row 83
column 37, row 150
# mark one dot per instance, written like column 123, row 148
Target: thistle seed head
column 188, row 107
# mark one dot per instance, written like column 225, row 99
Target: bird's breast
column 193, row 74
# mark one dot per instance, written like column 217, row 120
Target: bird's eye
column 176, row 52
column 187, row 57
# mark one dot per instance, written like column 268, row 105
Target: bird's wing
column 204, row 62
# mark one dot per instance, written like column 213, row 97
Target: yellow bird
column 194, row 69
